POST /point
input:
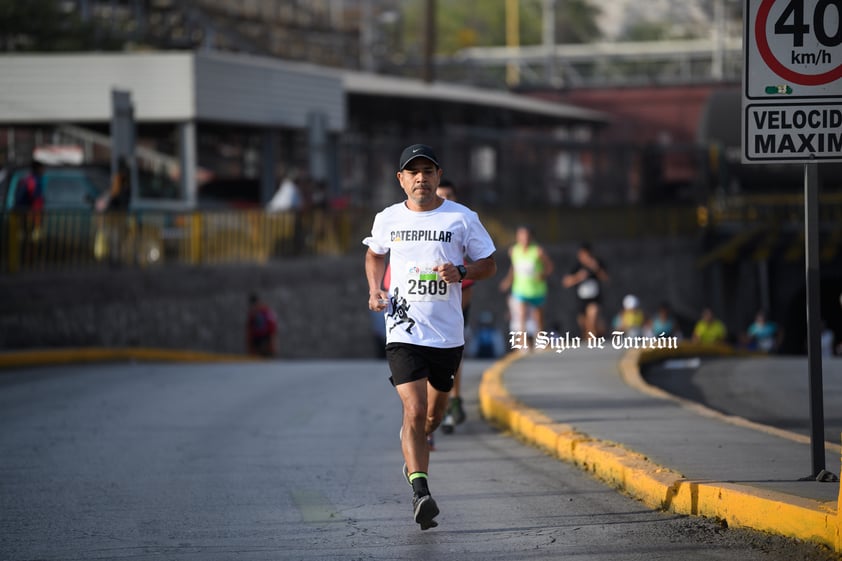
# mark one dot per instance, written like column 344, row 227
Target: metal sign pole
column 814, row 320
column 123, row 138
column 792, row 74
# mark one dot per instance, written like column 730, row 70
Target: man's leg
column 420, row 412
column 455, row 412
column 436, row 407
column 521, row 315
column 517, row 310
column 456, row 396
column 413, row 432
column 591, row 319
column 456, row 392
column 538, row 318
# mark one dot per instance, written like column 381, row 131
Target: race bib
column 527, row 269
column 588, row 289
column 424, row 285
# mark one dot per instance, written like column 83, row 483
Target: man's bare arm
column 481, row 268
column 375, row 268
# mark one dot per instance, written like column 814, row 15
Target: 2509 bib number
column 421, row 287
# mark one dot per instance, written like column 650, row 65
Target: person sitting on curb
column 709, row 330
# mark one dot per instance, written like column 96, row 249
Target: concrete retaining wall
column 321, row 302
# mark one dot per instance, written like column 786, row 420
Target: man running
column 587, row 277
column 527, row 279
column 455, row 411
column 427, row 238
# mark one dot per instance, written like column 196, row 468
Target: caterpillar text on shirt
column 424, row 309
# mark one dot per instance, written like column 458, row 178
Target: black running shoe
column 425, row 509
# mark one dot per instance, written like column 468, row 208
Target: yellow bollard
column 839, row 516
column 195, row 238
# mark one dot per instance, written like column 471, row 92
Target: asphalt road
column 298, row 461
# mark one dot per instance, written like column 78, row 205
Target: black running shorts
column 415, row 362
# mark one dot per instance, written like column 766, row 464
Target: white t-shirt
column 423, row 309
column 288, row 197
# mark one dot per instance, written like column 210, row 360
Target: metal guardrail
column 573, row 225
column 75, row 240
column 67, row 240
column 777, row 210
column 50, row 241
column 63, row 240
column 759, row 227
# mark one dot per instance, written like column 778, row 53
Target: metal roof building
column 168, row 87
column 519, row 109
column 194, row 89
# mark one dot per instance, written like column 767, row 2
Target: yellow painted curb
column 657, row 486
column 45, row 357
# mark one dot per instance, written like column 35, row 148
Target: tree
column 576, row 21
column 646, row 31
column 482, row 23
column 42, row 25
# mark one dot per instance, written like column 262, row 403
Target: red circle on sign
column 775, row 65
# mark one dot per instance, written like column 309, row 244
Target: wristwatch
column 463, row 272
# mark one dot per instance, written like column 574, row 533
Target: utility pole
column 366, row 37
column 512, row 41
column 549, row 42
column 718, row 66
column 429, row 70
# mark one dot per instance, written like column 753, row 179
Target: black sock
column 419, row 483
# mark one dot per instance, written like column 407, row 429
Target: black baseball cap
column 417, row 151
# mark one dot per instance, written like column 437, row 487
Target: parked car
column 70, row 230
column 65, row 187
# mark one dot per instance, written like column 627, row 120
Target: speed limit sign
column 792, row 82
